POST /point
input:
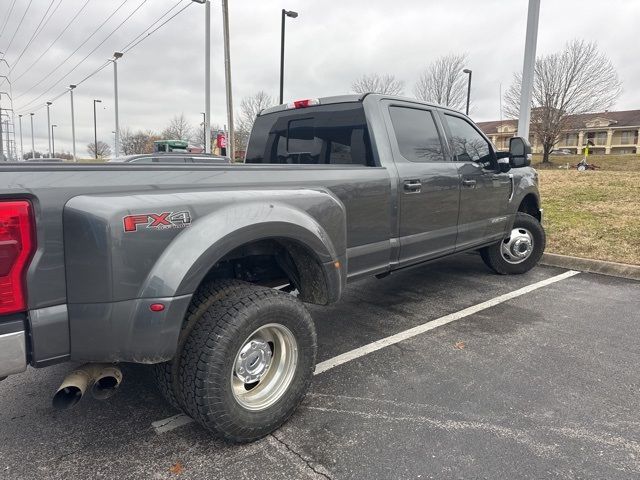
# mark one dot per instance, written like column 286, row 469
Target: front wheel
column 520, row 251
column 248, row 363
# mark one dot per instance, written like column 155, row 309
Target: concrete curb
column 592, row 266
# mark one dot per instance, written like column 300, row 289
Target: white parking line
column 452, row 317
column 168, row 424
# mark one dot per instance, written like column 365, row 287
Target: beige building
column 606, row 132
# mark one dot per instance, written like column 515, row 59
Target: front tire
column 247, row 363
column 520, row 251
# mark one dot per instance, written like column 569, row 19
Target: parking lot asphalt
column 542, row 385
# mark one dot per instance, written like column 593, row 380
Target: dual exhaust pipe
column 101, row 379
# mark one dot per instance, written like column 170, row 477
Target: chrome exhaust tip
column 101, row 379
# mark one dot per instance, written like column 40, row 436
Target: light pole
column 227, row 72
column 290, row 14
column 95, row 128
column 207, row 73
column 21, row 149
column 116, row 142
column 49, row 126
column 53, row 141
column 204, row 128
column 468, row 72
column 33, row 143
column 73, row 123
column 528, row 68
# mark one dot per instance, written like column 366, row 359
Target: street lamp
column 204, row 127
column 207, row 73
column 116, row 142
column 73, row 123
column 21, row 149
column 95, row 128
column 290, row 14
column 468, row 72
column 33, row 143
column 53, row 141
column 49, row 126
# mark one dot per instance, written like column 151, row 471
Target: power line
column 52, row 43
column 6, row 20
column 17, row 29
column 88, row 55
column 36, row 33
column 132, row 44
column 128, row 48
column 44, row 77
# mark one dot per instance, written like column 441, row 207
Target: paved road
column 544, row 385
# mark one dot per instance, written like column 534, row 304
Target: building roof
column 624, row 118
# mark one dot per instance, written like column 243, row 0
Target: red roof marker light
column 309, row 102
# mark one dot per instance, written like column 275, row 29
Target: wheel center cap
column 253, row 361
column 521, row 247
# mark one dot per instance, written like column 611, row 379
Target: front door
column 484, row 192
column 428, row 185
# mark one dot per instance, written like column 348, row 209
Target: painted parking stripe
column 171, row 423
column 420, row 329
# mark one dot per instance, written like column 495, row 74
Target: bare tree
column 375, row 83
column 137, row 142
column 443, row 82
column 250, row 107
column 178, row 129
column 104, row 150
column 579, row 79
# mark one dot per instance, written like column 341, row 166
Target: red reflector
column 304, row 103
column 156, row 307
column 17, row 243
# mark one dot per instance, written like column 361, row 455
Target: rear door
column 428, row 184
column 484, row 192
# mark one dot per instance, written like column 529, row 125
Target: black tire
column 207, row 361
column 166, row 373
column 494, row 259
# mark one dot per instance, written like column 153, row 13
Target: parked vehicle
column 562, row 151
column 172, row 158
column 173, row 265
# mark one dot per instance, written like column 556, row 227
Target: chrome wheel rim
column 264, row 367
column 518, row 246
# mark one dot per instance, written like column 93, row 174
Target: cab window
column 467, row 143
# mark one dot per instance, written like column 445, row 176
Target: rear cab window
column 416, row 133
column 335, row 134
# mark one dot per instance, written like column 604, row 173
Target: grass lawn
column 593, row 214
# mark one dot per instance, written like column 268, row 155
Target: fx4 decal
column 158, row 221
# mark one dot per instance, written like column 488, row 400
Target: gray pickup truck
column 175, row 265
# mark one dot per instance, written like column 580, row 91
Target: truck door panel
column 428, row 185
column 484, row 191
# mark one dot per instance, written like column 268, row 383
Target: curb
column 592, row 266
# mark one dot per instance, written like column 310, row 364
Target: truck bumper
column 13, row 351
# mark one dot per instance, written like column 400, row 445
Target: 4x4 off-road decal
column 157, row 221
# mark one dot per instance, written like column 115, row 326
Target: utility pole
column 2, row 158
column 528, row 68
column 33, row 143
column 116, row 142
column 227, row 72
column 21, row 148
column 207, row 73
column 49, row 126
column 73, row 124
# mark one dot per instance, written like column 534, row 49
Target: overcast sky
column 329, row 45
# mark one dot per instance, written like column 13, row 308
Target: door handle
column 469, row 183
column 412, row 186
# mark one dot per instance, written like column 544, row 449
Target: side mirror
column 519, row 152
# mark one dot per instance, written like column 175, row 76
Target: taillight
column 304, row 103
column 17, row 244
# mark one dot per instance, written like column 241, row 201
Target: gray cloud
column 328, row 46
